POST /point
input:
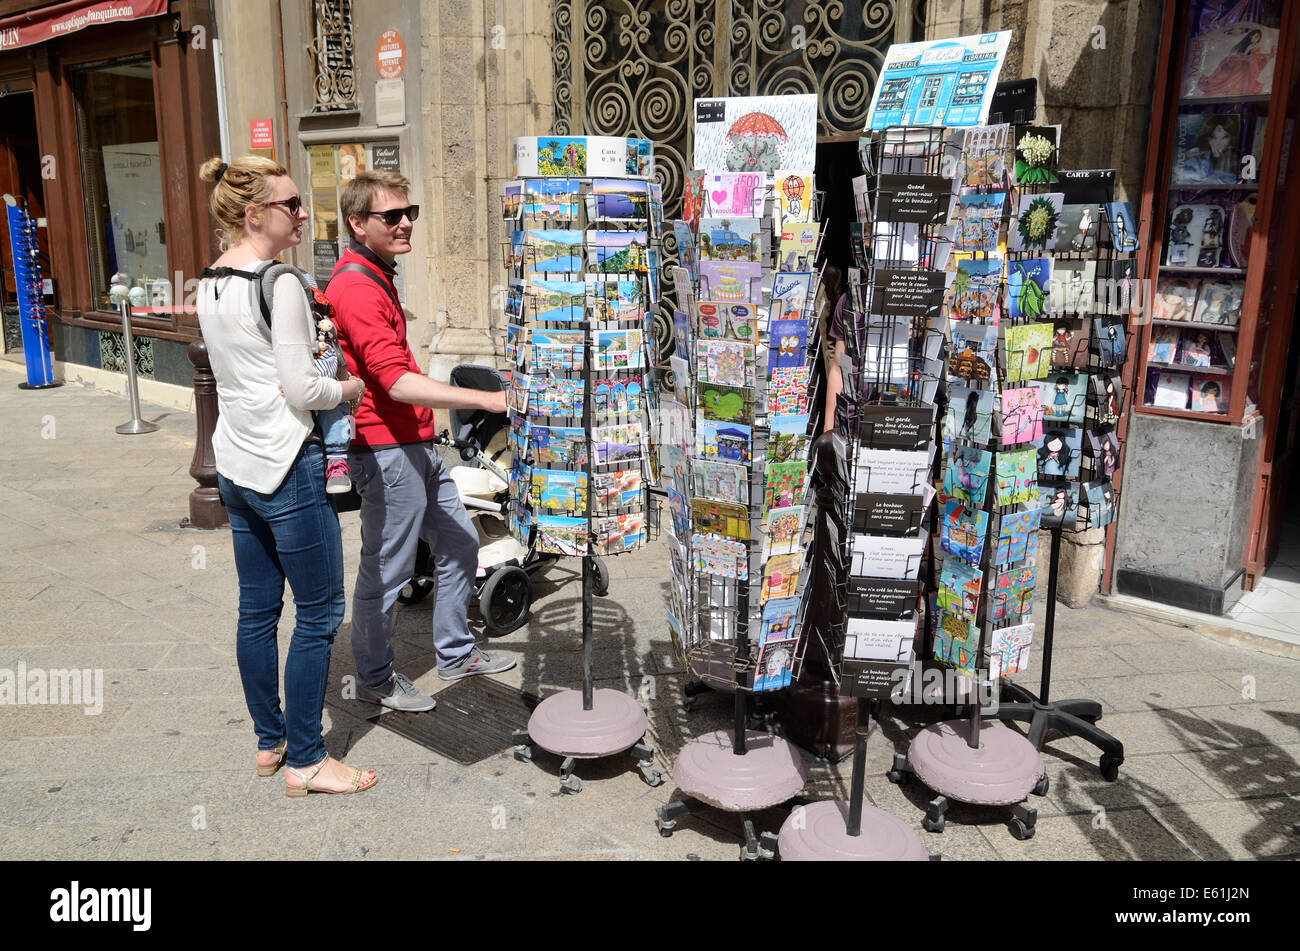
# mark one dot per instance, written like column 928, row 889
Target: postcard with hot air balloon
column 756, row 133
column 792, row 193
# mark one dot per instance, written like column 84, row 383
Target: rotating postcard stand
column 1095, row 398
column 583, row 265
column 737, row 476
column 970, row 760
column 886, row 413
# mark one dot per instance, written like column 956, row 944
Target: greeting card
column 967, row 474
column 1013, row 596
column 1017, row 474
column 781, row 577
column 1060, row 504
column 787, row 391
column 1058, row 453
column 783, row 528
column 1017, row 537
column 798, row 245
column 1036, row 155
column 721, row 480
column 957, row 642
column 794, row 194
column 722, row 442
column 960, row 586
column 976, row 290
column 1064, row 398
column 1022, row 414
column 740, row 193
column 723, row 557
column 970, row 414
column 1209, row 393
column 1029, row 348
column 1100, row 496
column 1029, row 288
column 787, row 438
column 1108, row 389
column 730, row 239
column 788, row 344
column 1071, row 338
column 1034, row 227
column 1121, row 226
column 785, row 484
column 963, row 530
column 1009, row 649
column 1079, row 227
column 1219, row 302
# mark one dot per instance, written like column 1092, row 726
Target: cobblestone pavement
column 95, row 573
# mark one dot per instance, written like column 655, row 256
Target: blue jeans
column 289, row 533
column 335, row 429
column 407, row 494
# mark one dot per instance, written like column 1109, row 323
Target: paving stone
column 1249, row 772
column 1260, row 828
column 1125, row 835
column 78, row 842
column 1144, row 780
column 1161, row 691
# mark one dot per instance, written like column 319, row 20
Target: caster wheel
column 506, row 599
column 524, row 754
column 688, row 704
column 1043, row 785
column 1022, row 831
column 932, row 825
column 653, row 776
column 1109, row 766
column 665, row 828
column 571, row 784
column 416, row 590
column 599, row 578
column 896, row 777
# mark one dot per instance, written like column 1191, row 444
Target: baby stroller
column 503, row 584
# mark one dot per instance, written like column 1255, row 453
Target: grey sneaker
column 398, row 694
column 477, row 661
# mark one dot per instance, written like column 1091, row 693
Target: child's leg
column 336, row 431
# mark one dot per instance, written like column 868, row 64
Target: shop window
column 118, row 128
column 332, row 166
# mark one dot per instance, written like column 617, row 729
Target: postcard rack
column 580, row 418
column 736, row 467
column 31, row 296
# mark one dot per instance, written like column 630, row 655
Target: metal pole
column 742, row 654
column 854, row 826
column 1045, row 681
column 136, row 425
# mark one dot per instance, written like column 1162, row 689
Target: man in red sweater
column 406, row 492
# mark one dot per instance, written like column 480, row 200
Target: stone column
column 490, row 80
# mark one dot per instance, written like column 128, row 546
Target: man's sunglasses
column 393, row 217
column 292, row 205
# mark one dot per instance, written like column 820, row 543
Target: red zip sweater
column 372, row 335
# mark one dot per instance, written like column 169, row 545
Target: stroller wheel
column 599, row 577
column 506, row 599
column 416, row 590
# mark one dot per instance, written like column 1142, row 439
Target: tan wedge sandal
column 296, row 792
column 269, row 769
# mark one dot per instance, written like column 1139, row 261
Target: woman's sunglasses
column 292, row 205
column 393, row 217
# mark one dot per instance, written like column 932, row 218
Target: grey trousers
column 407, row 494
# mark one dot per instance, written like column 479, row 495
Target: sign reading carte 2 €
column 390, row 54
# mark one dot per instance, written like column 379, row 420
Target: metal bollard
column 136, row 424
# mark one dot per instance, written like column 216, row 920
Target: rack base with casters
column 1071, row 717
column 615, row 724
column 819, row 832
column 1001, row 771
column 712, row 774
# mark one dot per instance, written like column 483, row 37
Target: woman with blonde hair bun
column 271, row 470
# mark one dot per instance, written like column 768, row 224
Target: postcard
column 719, row 319
column 550, row 250
column 731, row 281
column 617, row 252
column 1121, row 226
column 619, row 533
column 513, row 203
column 514, row 351
column 879, row 640
column 970, row 414
column 1013, row 594
column 1017, row 474
column 1100, row 496
column 1060, row 504
column 548, row 396
column 897, row 427
column 977, row 290
column 798, row 247
column 1064, row 398
column 1108, row 388
column 757, row 134
column 788, row 343
column 1036, row 155
column 966, row 475
column 791, row 296
column 1071, row 339
column 785, row 484
column 973, row 352
column 550, row 201
column 946, row 82
column 1029, row 288
column 794, row 196
column 617, row 300
column 618, row 350
column 781, row 577
column 557, row 301
column 779, row 620
column 687, row 252
column 1059, row 453
column 1017, row 537
column 787, row 391
column 729, row 519
column 892, row 471
column 963, row 530
column 615, row 397
column 773, row 666
column 1196, row 233
column 1078, row 228
column 722, row 442
column 557, row 445
column 1105, row 451
column 979, row 220
column 559, row 490
column 879, row 513
column 984, row 156
column 555, row 350
column 693, row 197
column 957, row 643
column 1022, row 414
column 1034, row 227
column 726, row 404
column 725, row 362
column 885, row 556
column 731, row 239
column 1210, row 393
column 674, row 464
column 1171, row 390
column 1219, row 302
column 722, row 481
column 787, row 438
column 562, row 535
column 624, row 443
column 783, row 528
column 1008, row 650
column 619, row 200
column 720, row 556
column 1029, row 350
column 960, row 586
column 1073, row 287
column 680, row 511
column 1112, row 340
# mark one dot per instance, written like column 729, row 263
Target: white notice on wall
column 390, row 102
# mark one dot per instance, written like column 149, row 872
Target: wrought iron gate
column 634, row 67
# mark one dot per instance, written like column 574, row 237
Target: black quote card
column 897, row 427
column 1087, row 186
column 908, row 293
column 879, row 513
column 870, row 679
column 883, row 597
column 914, row 199
column 710, row 110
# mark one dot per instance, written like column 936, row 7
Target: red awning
column 61, row 19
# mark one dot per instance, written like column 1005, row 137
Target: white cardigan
column 259, row 432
